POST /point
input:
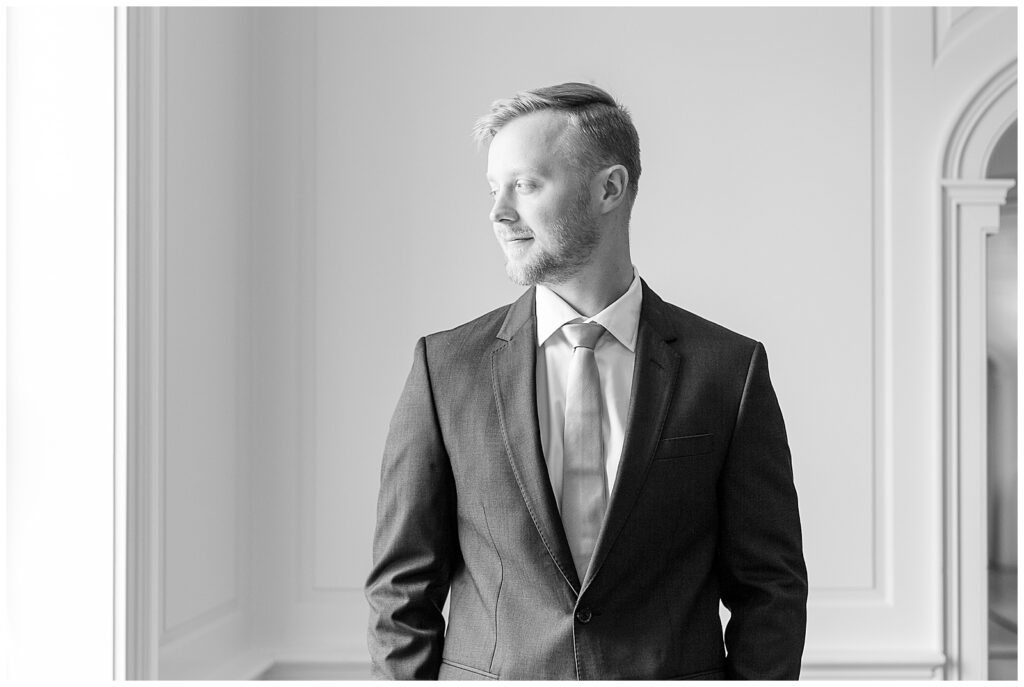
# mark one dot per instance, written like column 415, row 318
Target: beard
column 574, row 235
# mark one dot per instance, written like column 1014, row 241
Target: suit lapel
column 654, row 381
column 513, row 374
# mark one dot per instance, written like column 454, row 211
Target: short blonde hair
column 605, row 131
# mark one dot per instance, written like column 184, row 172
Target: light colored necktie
column 584, row 481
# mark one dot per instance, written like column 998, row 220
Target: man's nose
column 502, row 210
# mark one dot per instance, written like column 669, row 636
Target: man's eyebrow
column 536, row 171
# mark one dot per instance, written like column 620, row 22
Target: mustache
column 506, row 234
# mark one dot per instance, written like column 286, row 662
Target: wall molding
column 837, row 666
column 314, row 670
column 157, row 644
column 970, row 213
column 984, row 119
column 198, row 621
column 879, row 593
column 952, row 25
column 882, row 304
column 146, row 326
column 873, row 666
column 209, row 652
column 121, row 602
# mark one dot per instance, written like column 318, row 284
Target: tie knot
column 584, row 334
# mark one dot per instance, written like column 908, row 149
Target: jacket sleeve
column 415, row 540
column 761, row 564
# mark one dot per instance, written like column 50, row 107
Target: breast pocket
column 685, row 447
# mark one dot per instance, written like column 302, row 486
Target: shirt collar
column 621, row 318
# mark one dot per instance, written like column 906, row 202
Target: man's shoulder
column 708, row 345
column 693, row 329
column 479, row 331
column 690, row 325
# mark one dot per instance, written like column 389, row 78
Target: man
column 589, row 470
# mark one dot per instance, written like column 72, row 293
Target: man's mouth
column 510, row 235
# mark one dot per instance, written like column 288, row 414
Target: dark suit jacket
column 703, row 508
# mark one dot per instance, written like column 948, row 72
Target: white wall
column 282, row 175
column 790, row 191
column 206, row 569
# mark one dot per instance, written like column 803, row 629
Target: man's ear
column 614, row 184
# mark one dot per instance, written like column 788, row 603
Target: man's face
column 542, row 212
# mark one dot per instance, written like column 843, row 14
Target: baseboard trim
column 917, row 667
column 873, row 666
column 315, row 670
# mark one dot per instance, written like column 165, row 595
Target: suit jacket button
column 583, row 615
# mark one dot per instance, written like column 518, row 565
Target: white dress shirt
column 615, row 355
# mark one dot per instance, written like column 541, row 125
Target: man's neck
column 593, row 290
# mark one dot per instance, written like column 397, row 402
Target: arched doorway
column 1001, row 326
column 970, row 214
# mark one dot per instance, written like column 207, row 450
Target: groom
column 588, row 471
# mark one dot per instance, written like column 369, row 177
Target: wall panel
column 205, row 527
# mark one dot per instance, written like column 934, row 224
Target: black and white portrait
column 511, row 342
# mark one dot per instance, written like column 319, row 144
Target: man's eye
column 493, row 192
column 525, row 186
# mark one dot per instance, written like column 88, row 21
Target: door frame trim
column 146, row 134
column 970, row 213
